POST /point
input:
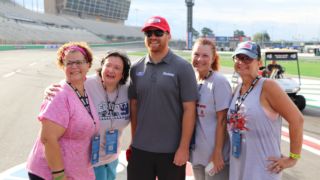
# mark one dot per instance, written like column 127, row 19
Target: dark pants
column 145, row 165
column 34, row 177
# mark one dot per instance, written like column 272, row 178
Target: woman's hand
column 51, row 91
column 279, row 164
column 218, row 162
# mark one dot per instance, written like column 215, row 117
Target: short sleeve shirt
column 119, row 119
column 215, row 95
column 67, row 110
column 160, row 90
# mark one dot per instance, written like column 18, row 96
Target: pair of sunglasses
column 243, row 58
column 157, row 33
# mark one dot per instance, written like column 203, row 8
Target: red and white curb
column 309, row 143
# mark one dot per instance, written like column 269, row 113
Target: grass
column 308, row 67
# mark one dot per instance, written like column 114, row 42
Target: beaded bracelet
column 57, row 172
column 294, row 156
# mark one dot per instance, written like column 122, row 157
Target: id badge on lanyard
column 236, row 144
column 95, row 147
column 111, row 141
column 237, row 124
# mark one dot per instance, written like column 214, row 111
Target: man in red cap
column 162, row 93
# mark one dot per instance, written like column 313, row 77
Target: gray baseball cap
column 248, row 48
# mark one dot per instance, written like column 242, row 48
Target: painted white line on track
column 8, row 174
column 305, row 137
column 11, row 73
column 32, row 64
column 8, row 75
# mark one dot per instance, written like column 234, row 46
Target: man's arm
column 188, row 123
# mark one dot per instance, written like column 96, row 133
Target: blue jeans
column 106, row 171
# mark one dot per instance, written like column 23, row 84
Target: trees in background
column 195, row 33
column 261, row 37
column 238, row 33
column 206, row 32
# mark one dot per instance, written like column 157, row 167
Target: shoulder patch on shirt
column 168, row 74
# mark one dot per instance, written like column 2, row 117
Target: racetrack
column 24, row 74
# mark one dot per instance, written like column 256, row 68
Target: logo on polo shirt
column 168, row 74
column 141, row 73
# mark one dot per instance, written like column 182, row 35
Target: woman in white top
column 109, row 92
column 211, row 143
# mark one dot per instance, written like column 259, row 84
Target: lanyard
column 85, row 101
column 240, row 98
column 201, row 82
column 111, row 105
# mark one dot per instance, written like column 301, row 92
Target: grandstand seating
column 20, row 25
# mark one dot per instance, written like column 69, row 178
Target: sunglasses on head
column 157, row 33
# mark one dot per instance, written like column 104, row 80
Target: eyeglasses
column 157, row 33
column 243, row 58
column 77, row 63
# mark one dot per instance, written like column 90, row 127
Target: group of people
column 178, row 112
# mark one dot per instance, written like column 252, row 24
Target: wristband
column 57, row 172
column 59, row 177
column 294, row 156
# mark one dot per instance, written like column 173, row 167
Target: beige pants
column 200, row 174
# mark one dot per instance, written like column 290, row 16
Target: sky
column 295, row 20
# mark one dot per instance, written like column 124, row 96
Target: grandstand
column 19, row 25
column 106, row 10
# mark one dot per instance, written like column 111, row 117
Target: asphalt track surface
column 24, row 74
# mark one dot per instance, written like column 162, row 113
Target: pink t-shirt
column 67, row 110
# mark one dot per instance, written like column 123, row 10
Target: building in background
column 93, row 21
column 115, row 11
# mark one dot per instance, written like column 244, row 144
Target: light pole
column 189, row 4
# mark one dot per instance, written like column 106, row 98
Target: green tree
column 195, row 33
column 206, row 32
column 238, row 33
column 261, row 37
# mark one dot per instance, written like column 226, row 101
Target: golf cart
column 276, row 71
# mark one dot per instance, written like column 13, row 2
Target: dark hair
column 125, row 60
column 216, row 61
column 259, row 52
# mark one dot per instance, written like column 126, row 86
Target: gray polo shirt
column 160, row 90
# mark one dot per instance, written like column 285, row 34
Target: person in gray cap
column 254, row 121
column 163, row 94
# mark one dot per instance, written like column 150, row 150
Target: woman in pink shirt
column 69, row 121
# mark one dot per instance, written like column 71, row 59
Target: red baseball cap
column 157, row 22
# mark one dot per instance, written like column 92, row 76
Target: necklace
column 207, row 76
column 202, row 80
